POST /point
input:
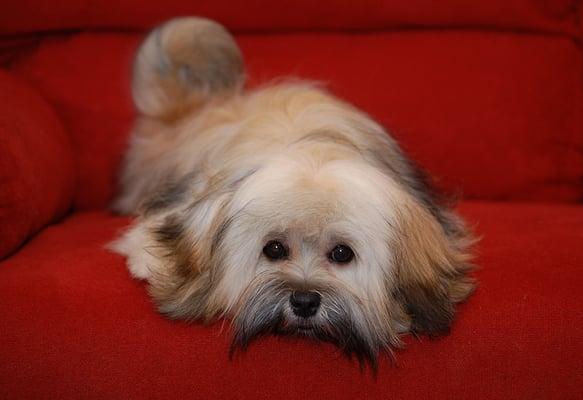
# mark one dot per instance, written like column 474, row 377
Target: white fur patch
column 137, row 245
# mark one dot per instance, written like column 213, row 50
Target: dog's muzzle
column 305, row 304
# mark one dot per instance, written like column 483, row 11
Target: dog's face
column 285, row 210
column 307, row 251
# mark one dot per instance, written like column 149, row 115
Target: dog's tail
column 184, row 63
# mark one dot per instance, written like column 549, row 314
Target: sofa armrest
column 37, row 174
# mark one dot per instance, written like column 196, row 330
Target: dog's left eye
column 275, row 250
column 341, row 254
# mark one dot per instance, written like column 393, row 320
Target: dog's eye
column 341, row 254
column 275, row 250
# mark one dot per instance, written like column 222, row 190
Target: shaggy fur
column 214, row 173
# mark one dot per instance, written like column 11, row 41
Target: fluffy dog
column 284, row 209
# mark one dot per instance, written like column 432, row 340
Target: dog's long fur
column 214, row 172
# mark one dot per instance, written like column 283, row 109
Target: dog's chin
column 267, row 313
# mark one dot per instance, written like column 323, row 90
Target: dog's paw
column 184, row 63
column 137, row 246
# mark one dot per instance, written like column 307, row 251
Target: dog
column 283, row 209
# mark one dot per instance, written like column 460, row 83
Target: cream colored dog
column 283, row 209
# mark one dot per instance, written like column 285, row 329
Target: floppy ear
column 431, row 268
column 431, row 244
column 182, row 64
column 173, row 249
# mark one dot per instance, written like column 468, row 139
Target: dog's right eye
column 275, row 250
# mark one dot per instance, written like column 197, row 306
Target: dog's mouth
column 297, row 325
column 305, row 328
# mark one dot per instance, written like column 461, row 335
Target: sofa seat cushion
column 75, row 325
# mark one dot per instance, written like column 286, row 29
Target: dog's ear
column 432, row 269
column 182, row 64
column 183, row 287
column 173, row 246
column 431, row 243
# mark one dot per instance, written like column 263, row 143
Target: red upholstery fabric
column 269, row 16
column 36, row 164
column 75, row 325
column 491, row 115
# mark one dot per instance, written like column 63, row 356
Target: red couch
column 487, row 95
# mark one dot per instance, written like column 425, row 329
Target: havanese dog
column 283, row 209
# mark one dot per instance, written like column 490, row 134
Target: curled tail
column 182, row 64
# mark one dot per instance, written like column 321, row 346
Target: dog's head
column 335, row 239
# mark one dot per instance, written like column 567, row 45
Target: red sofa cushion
column 36, row 164
column 75, row 325
column 492, row 115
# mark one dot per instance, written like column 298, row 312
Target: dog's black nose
column 304, row 304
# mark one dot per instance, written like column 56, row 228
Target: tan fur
column 432, row 268
column 182, row 64
column 215, row 173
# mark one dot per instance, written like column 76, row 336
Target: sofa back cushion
column 491, row 112
column 558, row 16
